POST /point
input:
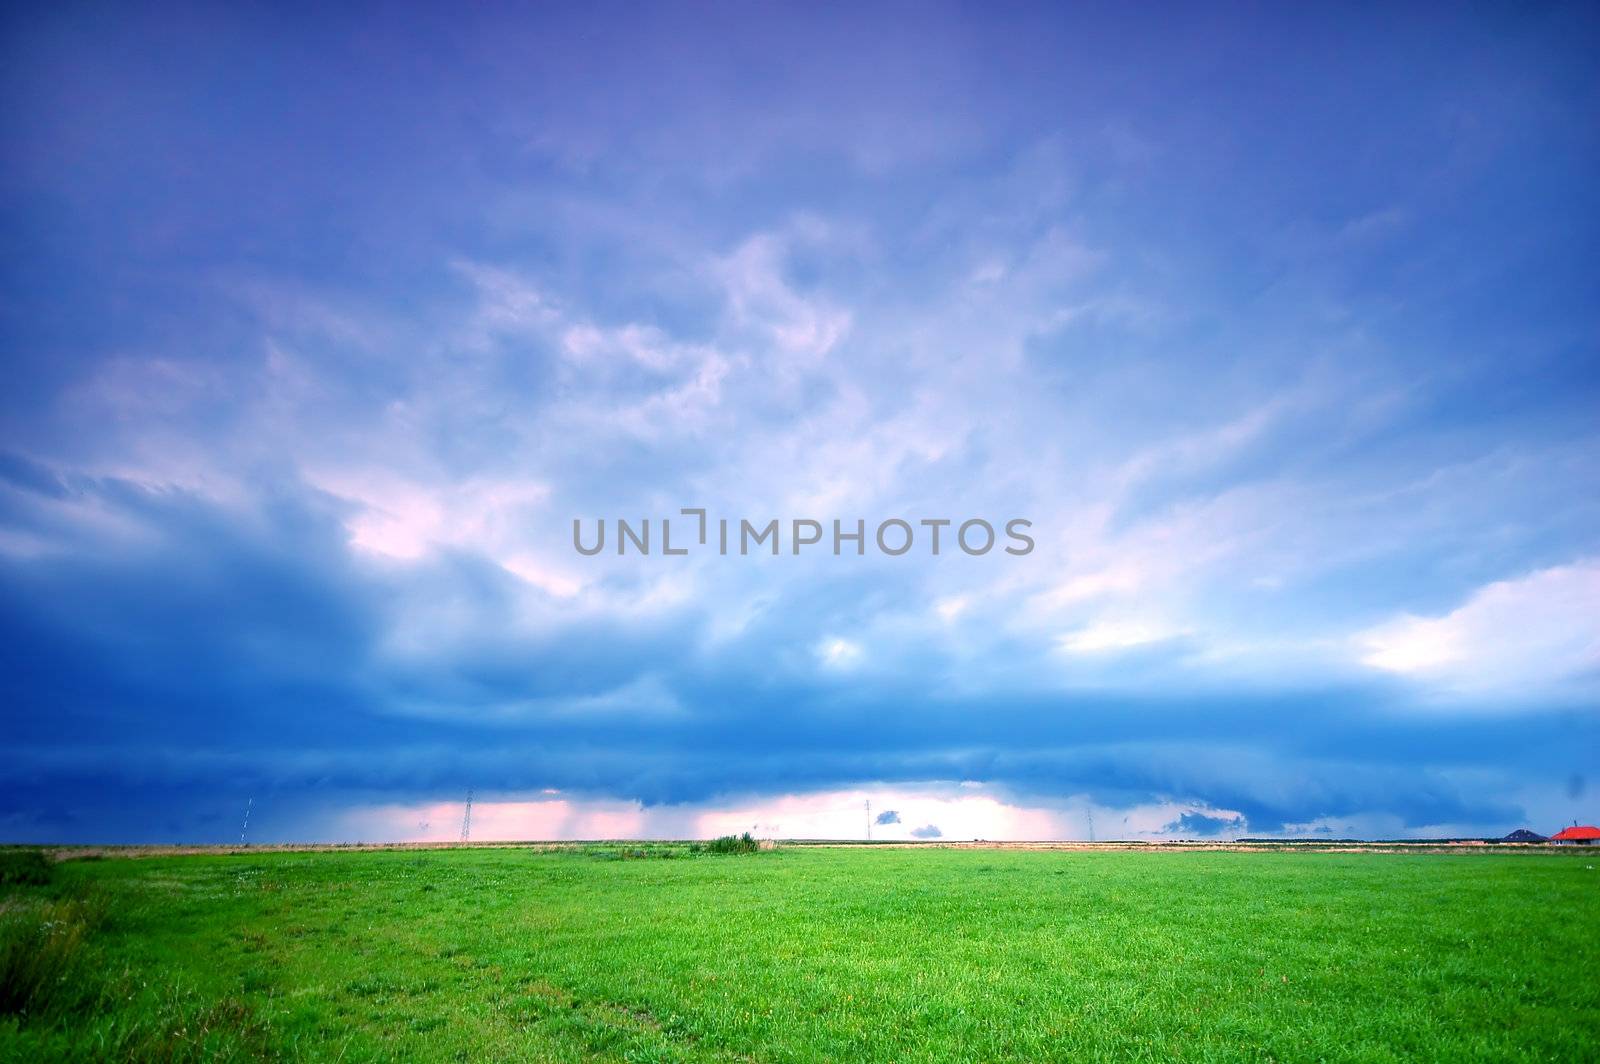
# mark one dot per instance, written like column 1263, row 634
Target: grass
column 24, row 866
column 803, row 954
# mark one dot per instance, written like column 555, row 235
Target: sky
column 320, row 326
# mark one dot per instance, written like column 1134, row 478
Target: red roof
column 1584, row 831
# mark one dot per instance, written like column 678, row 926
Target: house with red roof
column 1577, row 835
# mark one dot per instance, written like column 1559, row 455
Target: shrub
column 745, row 843
column 25, row 867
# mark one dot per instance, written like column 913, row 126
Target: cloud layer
column 308, row 377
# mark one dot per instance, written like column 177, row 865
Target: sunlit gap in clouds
column 963, row 813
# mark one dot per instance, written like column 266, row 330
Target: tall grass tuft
column 745, row 843
column 66, row 1006
column 44, row 966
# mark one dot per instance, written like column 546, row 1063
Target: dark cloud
column 927, row 831
column 888, row 816
column 1203, row 825
column 151, row 685
column 168, row 651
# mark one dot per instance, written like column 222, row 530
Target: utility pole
column 1090, row 811
column 869, row 819
column 466, row 819
column 245, row 827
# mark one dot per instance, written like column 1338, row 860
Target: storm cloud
column 286, row 492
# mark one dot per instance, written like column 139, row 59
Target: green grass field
column 807, row 954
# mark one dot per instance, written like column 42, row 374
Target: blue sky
column 320, row 328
